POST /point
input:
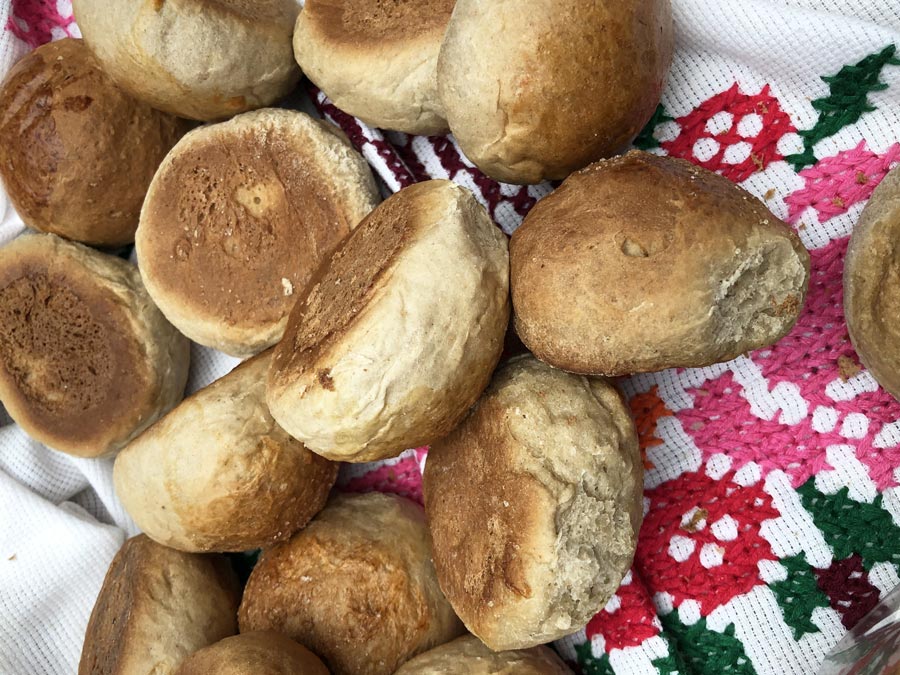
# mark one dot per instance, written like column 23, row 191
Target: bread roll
column 217, row 473
column 202, row 59
column 357, row 586
column 86, row 360
column 399, row 332
column 263, row 653
column 76, row 152
column 534, row 505
column 872, row 285
column 156, row 607
column 239, row 216
column 540, row 89
column 642, row 263
column 377, row 61
column 469, row 656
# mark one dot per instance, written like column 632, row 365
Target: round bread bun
column 87, row 361
column 399, row 332
column 872, row 285
column 377, row 61
column 357, row 586
column 544, row 94
column 534, row 505
column 470, row 656
column 156, row 607
column 217, row 473
column 612, row 278
column 76, row 152
column 201, row 59
column 239, row 216
column 261, row 653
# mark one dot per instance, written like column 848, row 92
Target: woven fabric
column 772, row 513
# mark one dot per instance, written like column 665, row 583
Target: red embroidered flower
column 732, row 133
column 701, row 539
column 628, row 619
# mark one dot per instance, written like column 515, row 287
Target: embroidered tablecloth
column 772, row 511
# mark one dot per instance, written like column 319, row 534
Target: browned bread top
column 77, row 153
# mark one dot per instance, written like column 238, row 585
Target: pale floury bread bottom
column 87, row 361
column 400, row 330
column 218, row 474
column 534, row 505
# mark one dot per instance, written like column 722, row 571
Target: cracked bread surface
column 77, row 153
column 642, row 263
column 534, row 504
column 357, row 586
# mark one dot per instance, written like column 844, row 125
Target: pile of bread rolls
column 370, row 327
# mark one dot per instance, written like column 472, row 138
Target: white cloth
column 60, row 522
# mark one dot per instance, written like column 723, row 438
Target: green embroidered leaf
column 853, row 527
column 705, row 651
column 646, row 140
column 799, row 595
column 672, row 664
column 590, row 664
column 847, row 101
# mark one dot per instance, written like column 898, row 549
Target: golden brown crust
column 481, row 510
column 469, row 656
column 260, row 653
column 356, row 585
column 594, row 265
column 872, row 285
column 77, row 368
column 247, row 485
column 240, row 215
column 534, row 503
column 76, row 152
column 523, row 112
column 156, row 606
column 357, row 24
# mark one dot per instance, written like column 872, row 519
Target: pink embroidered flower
column 37, row 22
column 836, row 183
